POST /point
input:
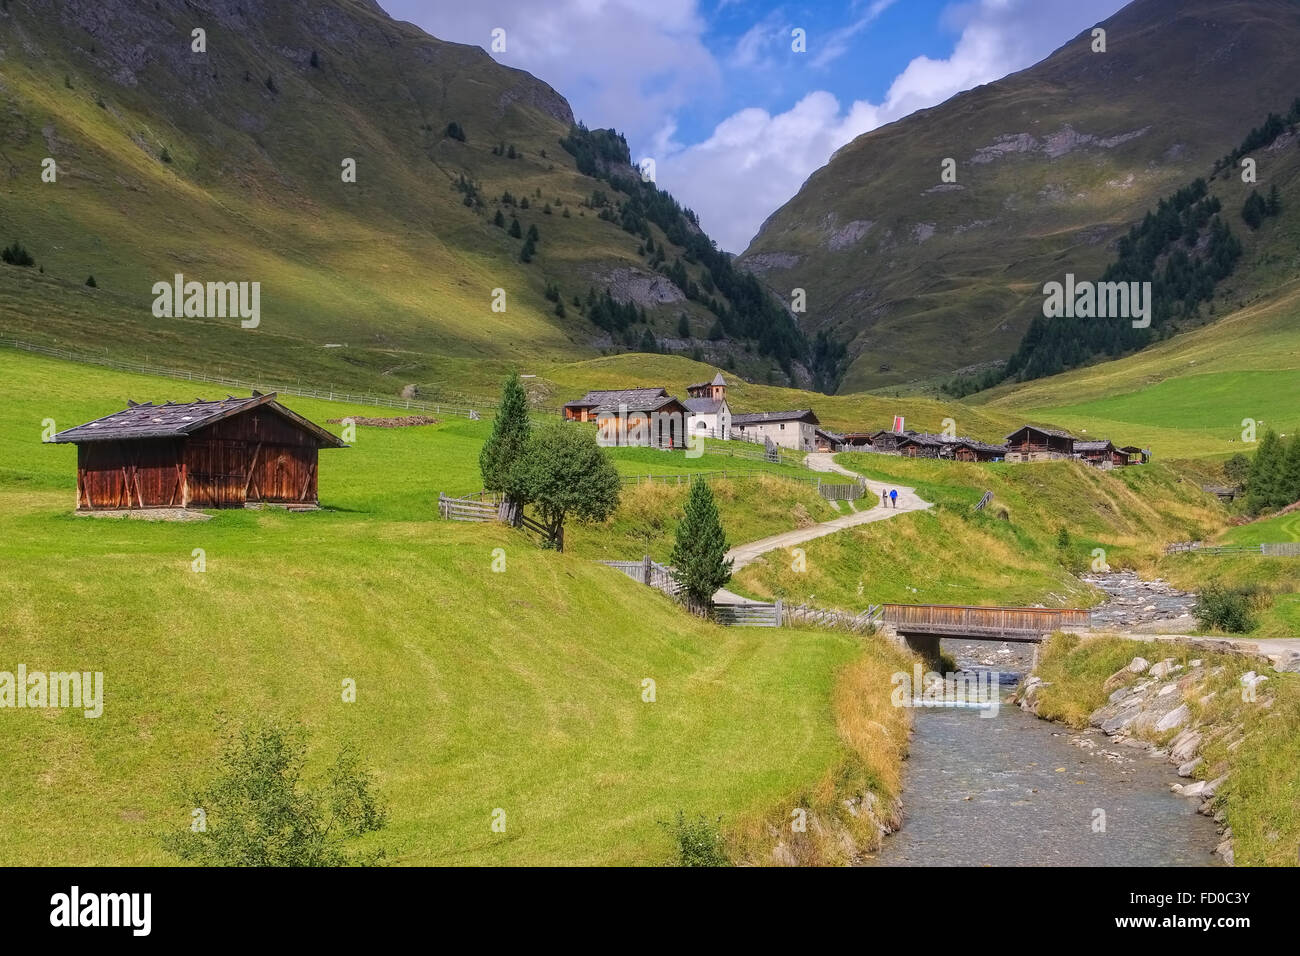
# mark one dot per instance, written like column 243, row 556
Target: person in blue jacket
column 893, row 497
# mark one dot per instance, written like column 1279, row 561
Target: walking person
column 884, row 499
column 893, row 497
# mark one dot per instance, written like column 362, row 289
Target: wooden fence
column 748, row 615
column 1278, row 549
column 802, row 615
column 984, row 501
column 464, row 407
column 685, row 479
column 848, row 492
column 470, row 508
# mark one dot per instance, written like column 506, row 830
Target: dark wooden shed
column 201, row 454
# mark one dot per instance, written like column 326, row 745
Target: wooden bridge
column 1024, row 624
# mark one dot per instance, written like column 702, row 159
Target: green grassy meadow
column 476, row 690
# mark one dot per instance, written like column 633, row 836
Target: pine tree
column 499, row 220
column 1264, row 487
column 510, row 432
column 648, row 343
column 699, row 559
column 1290, row 472
column 683, row 327
column 514, row 228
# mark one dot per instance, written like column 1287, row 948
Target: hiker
column 893, row 497
column 884, row 499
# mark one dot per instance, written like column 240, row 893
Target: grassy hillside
column 1185, row 397
column 1054, row 163
column 1007, row 553
column 227, row 165
column 475, row 690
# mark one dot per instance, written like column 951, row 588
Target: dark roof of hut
column 1054, row 432
column 631, row 397
column 1100, row 444
column 703, row 406
column 173, row 420
column 757, row 418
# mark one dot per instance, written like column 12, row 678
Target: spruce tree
column 1263, row 488
column 510, row 431
column 1290, row 472
column 699, row 559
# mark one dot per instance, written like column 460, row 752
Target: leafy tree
column 505, row 446
column 258, row 810
column 1226, row 609
column 699, row 553
column 564, row 473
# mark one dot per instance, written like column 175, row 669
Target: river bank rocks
column 1138, row 605
column 1149, row 708
column 831, row 838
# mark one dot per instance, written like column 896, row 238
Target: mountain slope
column 227, row 165
column 922, row 277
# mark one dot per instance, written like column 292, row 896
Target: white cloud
column 754, row 161
column 630, row 64
column 637, row 64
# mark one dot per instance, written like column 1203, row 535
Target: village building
column 1031, row 443
column 794, row 429
column 709, row 414
column 642, row 417
column 886, row 441
column 1100, row 453
column 968, row 449
column 1136, row 455
column 201, row 454
column 828, row 441
column 920, row 445
column 856, row 441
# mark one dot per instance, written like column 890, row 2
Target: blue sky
column 712, row 90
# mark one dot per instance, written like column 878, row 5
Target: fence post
column 779, row 620
column 645, row 570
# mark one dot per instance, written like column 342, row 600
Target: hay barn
column 201, row 454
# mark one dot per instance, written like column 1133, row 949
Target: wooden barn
column 968, row 449
column 218, row 454
column 1032, row 443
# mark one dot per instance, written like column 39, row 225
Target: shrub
column 699, row 841
column 455, row 131
column 1227, row 609
column 91, row 282
column 258, row 811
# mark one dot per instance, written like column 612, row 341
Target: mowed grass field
column 475, row 690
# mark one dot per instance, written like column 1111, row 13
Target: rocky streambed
column 1137, row 605
column 1148, row 711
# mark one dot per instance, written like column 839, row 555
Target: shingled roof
column 173, row 420
column 1054, row 432
column 703, row 406
column 614, row 397
column 758, row 418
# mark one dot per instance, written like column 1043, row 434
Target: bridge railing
column 962, row 619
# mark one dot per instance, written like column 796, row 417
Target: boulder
column 1165, row 668
column 1189, row 768
column 1175, row 718
column 1138, row 665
